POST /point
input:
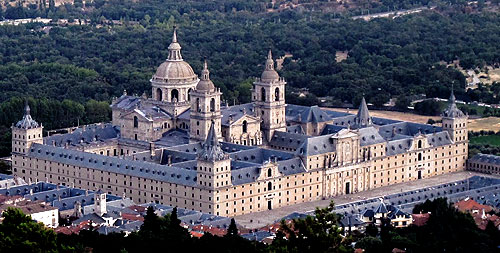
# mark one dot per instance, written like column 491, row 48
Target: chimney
column 169, row 160
column 152, row 148
column 31, row 192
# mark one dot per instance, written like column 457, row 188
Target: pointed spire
column 174, row 49
column 205, row 74
column 27, row 122
column 27, row 109
column 363, row 118
column 452, row 95
column 452, row 110
column 212, row 150
column 269, row 61
column 174, row 36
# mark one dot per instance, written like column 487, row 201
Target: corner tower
column 455, row 121
column 24, row 133
column 174, row 80
column 268, row 95
column 205, row 108
column 213, row 165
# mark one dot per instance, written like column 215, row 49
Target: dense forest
column 447, row 230
column 386, row 57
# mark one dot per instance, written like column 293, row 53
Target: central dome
column 174, row 68
column 179, row 70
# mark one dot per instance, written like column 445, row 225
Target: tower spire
column 212, row 150
column 205, row 74
column 269, row 61
column 174, row 49
column 363, row 118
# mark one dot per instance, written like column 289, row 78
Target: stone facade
column 233, row 160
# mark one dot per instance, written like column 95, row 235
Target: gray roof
column 91, row 134
column 211, row 148
column 369, row 136
column 439, row 139
column 306, row 114
column 331, row 129
column 398, row 146
column 90, row 217
column 126, row 102
column 452, row 110
column 289, row 140
column 363, row 118
column 114, row 164
column 173, row 137
column 27, row 122
column 316, row 145
column 295, row 129
column 486, row 158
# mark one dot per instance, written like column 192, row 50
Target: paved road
column 260, row 219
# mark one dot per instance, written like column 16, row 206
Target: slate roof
column 316, row 145
column 27, row 122
column 369, row 136
column 89, row 217
column 290, row 140
column 398, row 146
column 485, row 158
column 452, row 110
column 439, row 139
column 211, row 149
column 363, row 118
column 114, row 164
column 331, row 129
column 173, row 137
column 308, row 114
column 91, row 134
column 126, row 102
column 295, row 129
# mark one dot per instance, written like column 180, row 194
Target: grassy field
column 492, row 140
column 487, row 124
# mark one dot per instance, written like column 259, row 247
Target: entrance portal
column 347, row 188
column 269, row 205
column 419, row 174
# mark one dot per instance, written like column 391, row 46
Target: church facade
column 183, row 147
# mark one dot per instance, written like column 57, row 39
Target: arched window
column 269, row 186
column 212, row 105
column 245, row 126
column 420, row 157
column 159, row 94
column 277, row 94
column 420, row 144
column 189, row 94
column 174, row 95
column 263, row 94
column 136, row 122
column 269, row 172
column 198, row 104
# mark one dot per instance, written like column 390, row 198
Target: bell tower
column 205, row 108
column 25, row 132
column 268, row 95
column 455, row 121
column 213, row 165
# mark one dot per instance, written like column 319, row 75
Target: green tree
column 19, row 233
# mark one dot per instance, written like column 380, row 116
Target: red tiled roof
column 133, row 217
column 469, row 205
column 420, row 219
column 196, row 234
column 209, row 229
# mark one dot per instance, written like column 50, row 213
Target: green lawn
column 493, row 140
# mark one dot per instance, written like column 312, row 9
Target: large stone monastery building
column 183, row 147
